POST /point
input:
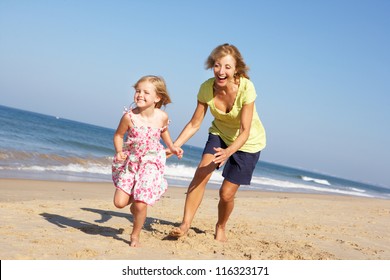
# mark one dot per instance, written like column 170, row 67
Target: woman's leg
column 195, row 193
column 139, row 211
column 225, row 207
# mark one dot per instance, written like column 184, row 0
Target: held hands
column 174, row 150
column 178, row 152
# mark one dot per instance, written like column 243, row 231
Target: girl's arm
column 222, row 155
column 118, row 136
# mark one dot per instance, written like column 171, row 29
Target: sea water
column 37, row 146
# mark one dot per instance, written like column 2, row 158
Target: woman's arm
column 171, row 147
column 193, row 125
column 222, row 155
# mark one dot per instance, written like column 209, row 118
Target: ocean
column 42, row 147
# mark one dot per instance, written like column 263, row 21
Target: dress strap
column 165, row 127
column 130, row 112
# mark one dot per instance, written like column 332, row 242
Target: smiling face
column 145, row 95
column 224, row 70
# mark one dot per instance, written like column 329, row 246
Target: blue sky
column 321, row 69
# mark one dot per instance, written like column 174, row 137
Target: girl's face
column 224, row 70
column 145, row 95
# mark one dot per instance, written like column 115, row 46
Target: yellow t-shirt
column 227, row 125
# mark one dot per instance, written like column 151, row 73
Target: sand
column 47, row 220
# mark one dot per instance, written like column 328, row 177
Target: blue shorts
column 239, row 167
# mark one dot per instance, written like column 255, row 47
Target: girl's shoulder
column 127, row 117
column 161, row 114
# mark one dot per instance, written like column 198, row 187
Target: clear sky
column 321, row 69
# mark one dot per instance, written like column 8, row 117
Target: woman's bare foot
column 134, row 241
column 179, row 231
column 220, row 234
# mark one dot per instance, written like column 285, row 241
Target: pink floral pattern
column 141, row 175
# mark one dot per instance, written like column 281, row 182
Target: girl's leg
column 139, row 211
column 121, row 199
column 195, row 194
column 225, row 207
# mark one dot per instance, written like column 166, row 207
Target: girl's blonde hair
column 161, row 89
column 224, row 50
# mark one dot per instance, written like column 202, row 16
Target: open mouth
column 222, row 78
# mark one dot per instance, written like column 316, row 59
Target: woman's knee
column 228, row 191
column 226, row 195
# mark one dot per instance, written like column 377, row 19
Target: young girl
column 139, row 163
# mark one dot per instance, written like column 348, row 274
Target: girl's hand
column 168, row 153
column 120, row 156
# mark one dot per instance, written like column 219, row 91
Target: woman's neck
column 230, row 89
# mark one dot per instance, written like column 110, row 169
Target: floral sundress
column 141, row 175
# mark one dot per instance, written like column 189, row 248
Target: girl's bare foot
column 220, row 234
column 134, row 241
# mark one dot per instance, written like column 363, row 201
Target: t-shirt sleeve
column 202, row 95
column 205, row 93
column 250, row 93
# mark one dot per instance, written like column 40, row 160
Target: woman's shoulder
column 205, row 93
column 208, row 83
column 245, row 82
column 247, row 90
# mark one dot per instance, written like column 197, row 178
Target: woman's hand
column 178, row 152
column 221, row 156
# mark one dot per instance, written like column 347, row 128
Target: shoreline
column 174, row 183
column 56, row 220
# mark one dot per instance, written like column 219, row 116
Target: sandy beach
column 47, row 220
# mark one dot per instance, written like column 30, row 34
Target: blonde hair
column 224, row 50
column 160, row 86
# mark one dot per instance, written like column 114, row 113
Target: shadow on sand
column 90, row 227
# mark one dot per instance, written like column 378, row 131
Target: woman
column 236, row 135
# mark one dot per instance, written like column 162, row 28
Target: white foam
column 318, row 181
column 291, row 185
column 182, row 172
column 74, row 167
